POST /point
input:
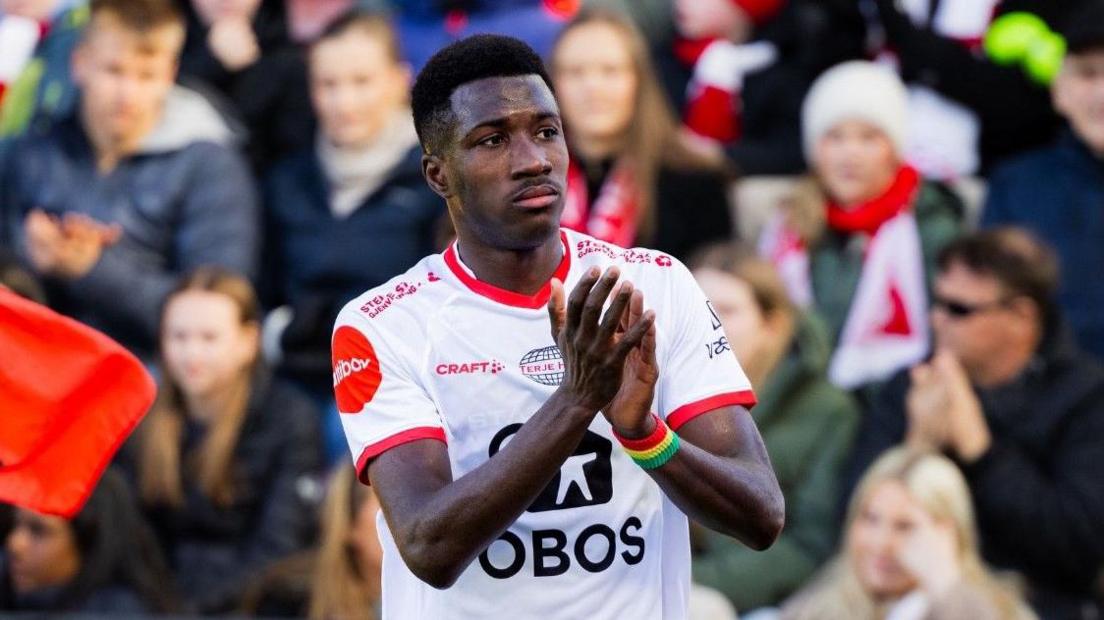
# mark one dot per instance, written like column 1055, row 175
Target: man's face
column 1078, row 94
column 124, row 77
column 356, row 87
column 506, row 166
column 971, row 317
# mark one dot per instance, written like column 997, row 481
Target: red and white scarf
column 714, row 107
column 612, row 216
column 886, row 327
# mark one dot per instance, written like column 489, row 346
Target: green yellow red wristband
column 654, row 450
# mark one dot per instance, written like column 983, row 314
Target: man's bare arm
column 439, row 524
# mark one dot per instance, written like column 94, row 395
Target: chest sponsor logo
column 491, row 367
column 356, row 371
column 544, row 365
column 585, row 479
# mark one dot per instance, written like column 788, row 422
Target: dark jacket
column 315, row 262
column 808, row 426
column 213, row 551
column 181, row 203
column 691, row 208
column 269, row 97
column 1038, row 491
column 1058, row 193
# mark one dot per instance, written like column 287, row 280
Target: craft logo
column 356, row 371
column 544, row 365
column 492, row 367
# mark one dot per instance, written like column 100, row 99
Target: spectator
column 1058, row 191
column 740, row 69
column 960, row 118
column 37, row 37
column 241, row 50
column 910, row 551
column 224, row 455
column 104, row 560
column 353, row 211
column 339, row 579
column 808, row 426
column 632, row 178
column 1020, row 409
column 859, row 239
column 113, row 203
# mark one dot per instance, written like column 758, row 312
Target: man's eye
column 492, row 140
column 548, row 133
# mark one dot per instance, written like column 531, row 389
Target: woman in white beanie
column 857, row 240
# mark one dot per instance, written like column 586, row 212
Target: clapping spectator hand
column 944, row 411
column 930, row 553
column 68, row 246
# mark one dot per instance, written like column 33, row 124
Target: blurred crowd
column 895, row 206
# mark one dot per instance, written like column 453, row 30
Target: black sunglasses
column 958, row 309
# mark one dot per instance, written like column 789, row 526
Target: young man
column 1058, row 191
column 113, row 204
column 1010, row 397
column 500, row 483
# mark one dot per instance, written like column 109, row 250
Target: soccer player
column 533, row 456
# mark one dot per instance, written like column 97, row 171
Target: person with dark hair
column 470, row 386
column 633, row 178
column 239, row 52
column 105, row 560
column 1058, row 191
column 226, row 453
column 358, row 191
column 1012, row 400
column 138, row 186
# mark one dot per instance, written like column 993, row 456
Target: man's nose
column 528, row 158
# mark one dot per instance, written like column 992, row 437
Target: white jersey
column 438, row 354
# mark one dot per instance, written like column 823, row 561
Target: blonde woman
column 340, row 579
column 910, row 551
column 633, row 180
column 222, row 457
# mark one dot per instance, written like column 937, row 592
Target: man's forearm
column 454, row 523
column 737, row 496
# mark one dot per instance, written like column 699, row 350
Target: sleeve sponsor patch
column 356, row 370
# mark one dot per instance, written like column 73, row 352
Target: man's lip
column 536, row 191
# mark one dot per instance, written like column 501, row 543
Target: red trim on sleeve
column 501, row 295
column 373, row 450
column 689, row 411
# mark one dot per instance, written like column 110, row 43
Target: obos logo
column 545, row 365
column 356, row 371
column 585, row 479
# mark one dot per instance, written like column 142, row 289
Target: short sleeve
column 699, row 371
column 381, row 403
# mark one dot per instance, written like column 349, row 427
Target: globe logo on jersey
column 544, row 365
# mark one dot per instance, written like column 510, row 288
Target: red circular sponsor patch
column 356, row 371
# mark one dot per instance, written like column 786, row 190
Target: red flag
column 69, row 397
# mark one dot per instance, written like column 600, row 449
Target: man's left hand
column 630, row 410
column 67, row 247
column 967, row 433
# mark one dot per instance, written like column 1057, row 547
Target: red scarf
column 612, row 215
column 869, row 216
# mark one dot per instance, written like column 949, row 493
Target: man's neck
column 108, row 150
column 520, row 271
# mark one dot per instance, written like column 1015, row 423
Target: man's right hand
column 594, row 356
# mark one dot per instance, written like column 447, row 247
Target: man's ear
column 436, row 174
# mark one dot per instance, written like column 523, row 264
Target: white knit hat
column 855, row 90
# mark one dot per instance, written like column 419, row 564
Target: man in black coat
column 1009, row 397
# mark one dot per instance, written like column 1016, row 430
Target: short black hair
column 467, row 60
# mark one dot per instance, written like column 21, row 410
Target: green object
column 1044, row 58
column 1012, row 35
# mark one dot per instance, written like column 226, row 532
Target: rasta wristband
column 654, row 450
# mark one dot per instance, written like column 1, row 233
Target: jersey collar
column 501, row 295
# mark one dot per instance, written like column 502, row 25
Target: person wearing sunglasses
column 1013, row 401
